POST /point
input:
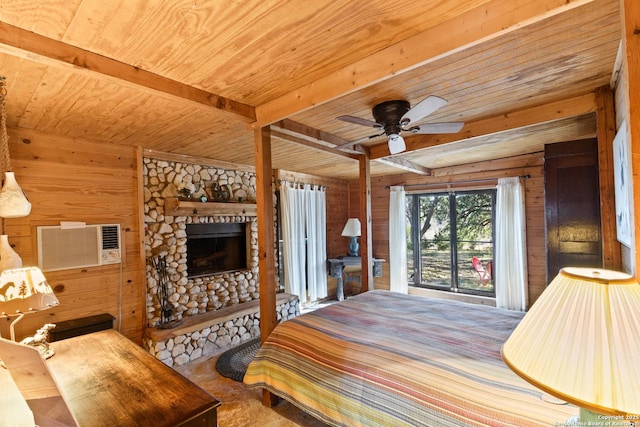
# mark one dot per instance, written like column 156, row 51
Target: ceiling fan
column 394, row 117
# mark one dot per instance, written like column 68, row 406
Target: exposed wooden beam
column 528, row 117
column 606, row 120
column 25, row 44
column 400, row 163
column 277, row 132
column 205, row 161
column 493, row 19
column 324, row 141
column 291, row 127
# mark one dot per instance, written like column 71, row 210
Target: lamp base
column 353, row 246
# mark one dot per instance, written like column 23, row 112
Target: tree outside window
column 450, row 241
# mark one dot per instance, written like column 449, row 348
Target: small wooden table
column 107, row 380
column 335, row 268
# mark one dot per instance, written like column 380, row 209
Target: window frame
column 415, row 239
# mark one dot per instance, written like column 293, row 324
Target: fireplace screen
column 216, row 248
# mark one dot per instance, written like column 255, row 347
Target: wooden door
column 572, row 206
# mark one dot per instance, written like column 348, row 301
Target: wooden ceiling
column 195, row 77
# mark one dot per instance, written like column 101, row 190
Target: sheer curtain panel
column 398, row 240
column 293, row 239
column 316, row 216
column 510, row 247
column 304, row 241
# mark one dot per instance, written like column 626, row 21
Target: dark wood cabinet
column 572, row 206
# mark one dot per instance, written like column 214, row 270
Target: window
column 450, row 241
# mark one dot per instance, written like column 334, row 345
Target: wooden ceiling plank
column 572, row 107
column 469, row 29
column 18, row 42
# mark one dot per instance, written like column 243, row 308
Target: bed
column 388, row 359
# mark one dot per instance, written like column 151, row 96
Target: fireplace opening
column 216, row 248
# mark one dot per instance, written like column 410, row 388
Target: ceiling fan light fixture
column 396, row 144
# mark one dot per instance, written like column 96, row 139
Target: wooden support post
column 606, row 122
column 630, row 17
column 266, row 243
column 266, row 224
column 366, row 247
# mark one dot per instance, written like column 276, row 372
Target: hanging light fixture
column 13, row 202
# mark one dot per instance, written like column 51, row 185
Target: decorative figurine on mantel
column 220, row 193
column 185, row 190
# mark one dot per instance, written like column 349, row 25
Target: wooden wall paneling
column 630, row 15
column 536, row 243
column 627, row 256
column 72, row 179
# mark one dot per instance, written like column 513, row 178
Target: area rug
column 233, row 362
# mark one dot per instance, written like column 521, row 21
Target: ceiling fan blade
column 423, row 109
column 359, row 121
column 357, row 141
column 436, row 128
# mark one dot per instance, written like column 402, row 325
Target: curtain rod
column 471, row 181
column 301, row 183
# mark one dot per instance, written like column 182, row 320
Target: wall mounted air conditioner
column 77, row 245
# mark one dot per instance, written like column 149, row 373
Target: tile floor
column 242, row 407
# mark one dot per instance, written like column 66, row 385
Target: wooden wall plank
column 630, row 15
column 71, row 179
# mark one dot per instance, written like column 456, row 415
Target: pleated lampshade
column 580, row 341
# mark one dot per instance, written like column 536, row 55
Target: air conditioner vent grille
column 110, row 238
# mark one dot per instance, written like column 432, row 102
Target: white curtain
column 316, row 242
column 293, row 236
column 510, row 267
column 304, row 241
column 398, row 240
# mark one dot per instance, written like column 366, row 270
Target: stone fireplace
column 209, row 251
column 230, row 274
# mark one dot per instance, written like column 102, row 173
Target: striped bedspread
column 389, row 359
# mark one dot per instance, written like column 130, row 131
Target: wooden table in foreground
column 108, row 380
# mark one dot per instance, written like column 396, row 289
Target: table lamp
column 352, row 229
column 25, row 290
column 580, row 342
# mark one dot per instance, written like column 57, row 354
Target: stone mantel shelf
column 177, row 207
